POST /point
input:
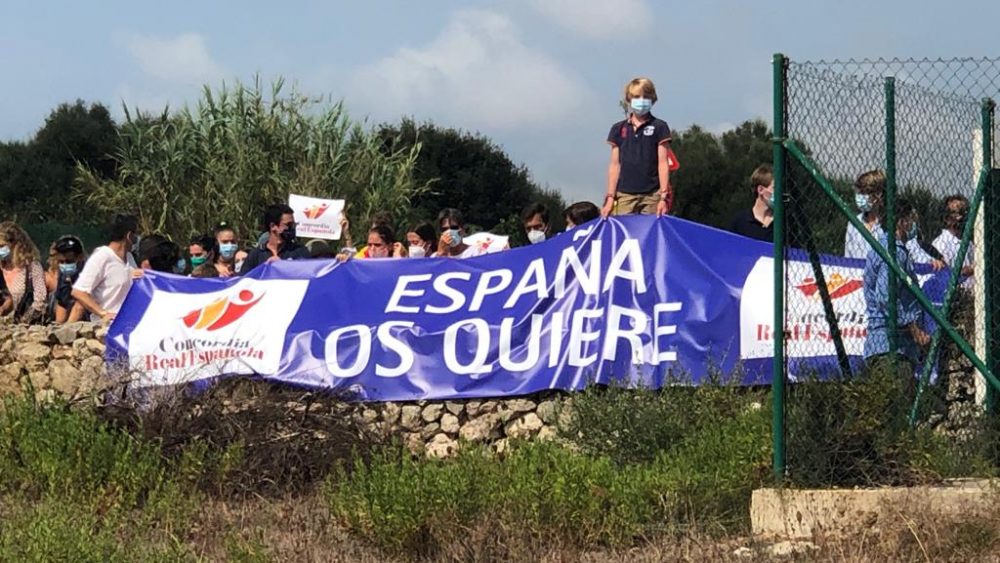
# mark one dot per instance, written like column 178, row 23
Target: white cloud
column 477, row 73
column 599, row 19
column 184, row 58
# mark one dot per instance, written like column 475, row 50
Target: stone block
column 524, row 427
column 480, row 429
column 64, row 378
column 410, row 417
column 432, row 412
column 441, row 446
column 449, row 424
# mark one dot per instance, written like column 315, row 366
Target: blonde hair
column 871, row 181
column 640, row 86
column 23, row 251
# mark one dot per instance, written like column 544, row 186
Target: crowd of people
column 74, row 285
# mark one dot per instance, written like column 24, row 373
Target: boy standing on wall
column 639, row 171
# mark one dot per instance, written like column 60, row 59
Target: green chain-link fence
column 925, row 130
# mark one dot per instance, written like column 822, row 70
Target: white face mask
column 417, row 252
column 536, row 237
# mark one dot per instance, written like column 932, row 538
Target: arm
column 61, row 314
column 89, row 279
column 614, row 170
column 663, row 169
column 87, row 301
column 39, row 292
column 6, row 304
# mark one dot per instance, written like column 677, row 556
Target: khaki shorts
column 641, row 204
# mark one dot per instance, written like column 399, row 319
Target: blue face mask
column 180, row 266
column 456, row 237
column 67, row 269
column 863, row 201
column 641, row 106
column 4, row 252
column 912, row 233
column 770, row 200
column 227, row 250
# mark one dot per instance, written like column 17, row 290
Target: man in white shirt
column 108, row 272
column 956, row 213
column 869, row 197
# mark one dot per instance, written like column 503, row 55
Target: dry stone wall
column 67, row 363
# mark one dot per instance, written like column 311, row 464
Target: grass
column 239, row 474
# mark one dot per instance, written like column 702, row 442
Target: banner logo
column 838, row 286
column 222, row 312
column 316, row 211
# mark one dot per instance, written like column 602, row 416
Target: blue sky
column 540, row 77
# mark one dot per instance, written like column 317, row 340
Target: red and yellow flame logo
column 838, row 286
column 222, row 312
column 316, row 211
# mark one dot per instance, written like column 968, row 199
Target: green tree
column 238, row 150
column 713, row 181
column 470, row 173
column 36, row 177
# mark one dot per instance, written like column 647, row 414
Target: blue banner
column 635, row 298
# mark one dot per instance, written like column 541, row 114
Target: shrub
column 46, row 449
column 636, row 425
column 545, row 493
column 856, row 432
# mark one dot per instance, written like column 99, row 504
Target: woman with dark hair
column 22, row 273
column 229, row 257
column 420, row 240
column 66, row 259
column 381, row 240
column 202, row 250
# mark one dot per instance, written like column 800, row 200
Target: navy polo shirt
column 637, row 154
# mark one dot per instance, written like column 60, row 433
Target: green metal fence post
column 982, row 188
column 956, row 270
column 779, row 69
column 890, row 209
column 991, row 248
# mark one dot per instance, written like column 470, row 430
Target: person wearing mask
column 757, row 221
column 107, row 275
column 22, row 273
column 450, row 244
column 956, row 213
column 579, row 213
column 201, row 251
column 420, row 242
column 229, row 258
column 869, row 197
column 910, row 335
column 535, row 219
column 639, row 171
column 66, row 259
column 279, row 222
